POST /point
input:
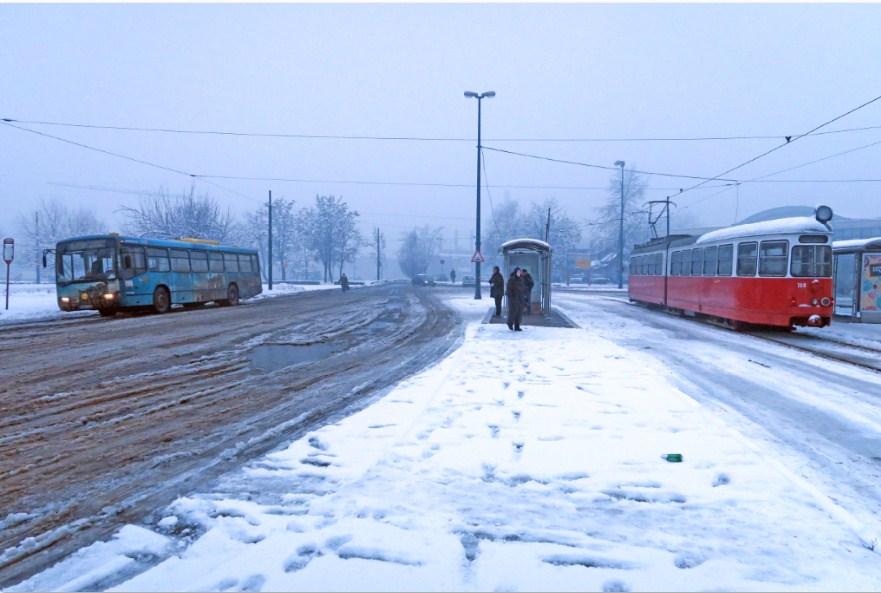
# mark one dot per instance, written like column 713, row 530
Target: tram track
column 169, row 402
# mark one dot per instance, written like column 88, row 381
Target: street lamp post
column 8, row 256
column 477, row 254
column 621, row 230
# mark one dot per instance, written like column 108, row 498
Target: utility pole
column 270, row 240
column 621, row 230
column 548, row 227
column 378, row 254
column 37, row 245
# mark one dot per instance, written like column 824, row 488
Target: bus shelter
column 533, row 255
column 858, row 279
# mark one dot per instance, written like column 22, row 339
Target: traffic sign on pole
column 477, row 258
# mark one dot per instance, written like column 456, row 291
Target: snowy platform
column 555, row 319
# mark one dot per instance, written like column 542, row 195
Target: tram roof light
column 823, row 214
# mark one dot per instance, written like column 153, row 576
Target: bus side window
column 244, row 263
column 132, row 261
column 199, row 260
column 230, row 262
column 157, row 259
column 215, row 262
column 180, row 260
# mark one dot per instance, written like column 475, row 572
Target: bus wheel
column 232, row 295
column 161, row 300
column 107, row 312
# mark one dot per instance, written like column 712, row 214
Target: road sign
column 477, row 258
column 582, row 264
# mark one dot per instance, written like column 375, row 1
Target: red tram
column 773, row 273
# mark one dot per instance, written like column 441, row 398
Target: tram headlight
column 825, row 301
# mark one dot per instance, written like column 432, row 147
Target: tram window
column 231, row 262
column 697, row 262
column 675, row 263
column 811, row 261
column 710, row 255
column 215, row 262
column 659, row 264
column 157, row 259
column 772, row 258
column 199, row 261
column 685, row 269
column 746, row 258
column 180, row 260
column 726, row 253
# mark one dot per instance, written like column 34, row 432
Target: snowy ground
column 526, row 461
column 37, row 302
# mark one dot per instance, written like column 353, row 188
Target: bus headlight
column 65, row 300
column 109, row 296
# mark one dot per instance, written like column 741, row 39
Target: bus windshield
column 86, row 261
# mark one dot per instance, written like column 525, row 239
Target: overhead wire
column 413, row 138
column 789, row 141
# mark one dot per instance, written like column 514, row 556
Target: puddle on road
column 271, row 357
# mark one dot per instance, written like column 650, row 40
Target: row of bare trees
column 325, row 232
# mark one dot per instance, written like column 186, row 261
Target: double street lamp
column 621, row 230
column 477, row 254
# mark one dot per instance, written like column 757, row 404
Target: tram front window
column 86, row 261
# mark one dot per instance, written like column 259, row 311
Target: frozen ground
column 526, row 461
column 37, row 302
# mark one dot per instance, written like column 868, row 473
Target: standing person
column 528, row 283
column 515, row 293
column 497, row 289
column 452, row 276
column 344, row 282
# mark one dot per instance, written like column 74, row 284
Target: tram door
column 846, row 274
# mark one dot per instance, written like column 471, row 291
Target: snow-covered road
column 533, row 462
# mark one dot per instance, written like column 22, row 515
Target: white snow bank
column 37, row 302
column 523, row 461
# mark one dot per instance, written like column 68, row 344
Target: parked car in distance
column 467, row 280
column 422, row 280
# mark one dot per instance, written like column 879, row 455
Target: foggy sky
column 559, row 71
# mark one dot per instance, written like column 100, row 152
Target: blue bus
column 111, row 273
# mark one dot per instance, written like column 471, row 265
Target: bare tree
column 418, row 248
column 165, row 216
column 331, row 231
column 636, row 229
column 284, row 234
column 50, row 222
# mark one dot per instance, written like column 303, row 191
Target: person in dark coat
column 528, row 283
column 497, row 289
column 344, row 282
column 516, row 292
column 452, row 276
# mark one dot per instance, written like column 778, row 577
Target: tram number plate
column 802, row 284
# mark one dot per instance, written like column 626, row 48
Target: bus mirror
column 127, row 262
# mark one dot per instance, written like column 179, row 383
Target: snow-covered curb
column 527, row 461
column 37, row 302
